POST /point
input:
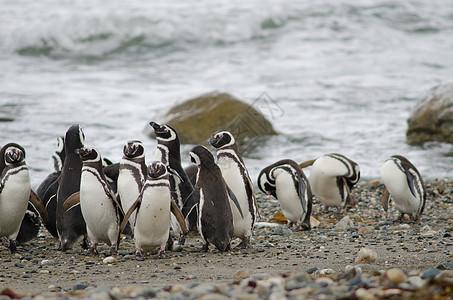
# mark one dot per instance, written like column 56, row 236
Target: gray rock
column 448, row 265
column 430, row 273
column 344, row 224
column 432, row 117
column 283, row 231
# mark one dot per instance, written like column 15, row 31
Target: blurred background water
column 344, row 73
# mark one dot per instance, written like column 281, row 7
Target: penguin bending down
column 215, row 218
column 71, row 226
column 100, row 209
column 168, row 152
column 286, row 181
column 14, row 191
column 132, row 175
column 238, row 180
column 47, row 190
column 153, row 216
column 332, row 178
column 403, row 182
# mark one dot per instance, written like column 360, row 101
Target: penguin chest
column 396, row 182
column 128, row 189
column 288, row 197
column 233, row 177
column 152, row 223
column 324, row 186
column 97, row 208
column 13, row 201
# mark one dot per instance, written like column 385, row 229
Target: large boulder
column 432, row 117
column 196, row 119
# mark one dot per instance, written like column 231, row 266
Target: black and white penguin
column 153, row 212
column 47, row 190
column 286, row 181
column 132, row 175
column 100, row 209
column 403, row 182
column 331, row 179
column 14, row 191
column 215, row 218
column 71, row 226
column 168, row 152
column 238, row 180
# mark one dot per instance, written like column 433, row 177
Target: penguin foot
column 93, row 249
column 84, row 244
column 182, row 239
column 305, row 227
column 244, row 243
column 169, row 245
column 205, row 247
column 139, row 255
column 161, row 253
column 113, row 249
column 13, row 246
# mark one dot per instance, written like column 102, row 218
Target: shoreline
column 321, row 257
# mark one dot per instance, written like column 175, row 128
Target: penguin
column 332, row 178
column 237, row 178
column 168, row 152
column 153, row 212
column 15, row 189
column 215, row 218
column 100, row 209
column 47, row 190
column 132, row 175
column 403, row 182
column 71, row 226
column 286, row 181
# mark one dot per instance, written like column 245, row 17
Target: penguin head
column 164, row 133
column 200, row 155
column 74, row 138
column 14, row 155
column 157, row 169
column 221, row 138
column 59, row 155
column 266, row 184
column 134, row 149
column 88, row 154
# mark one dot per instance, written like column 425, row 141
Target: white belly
column 232, row 175
column 287, row 197
column 323, row 180
column 97, row 210
column 152, row 224
column 128, row 191
column 13, row 203
column 396, row 183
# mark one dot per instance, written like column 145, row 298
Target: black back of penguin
column 169, row 150
column 215, row 216
column 70, row 225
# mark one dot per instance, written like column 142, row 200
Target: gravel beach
column 359, row 253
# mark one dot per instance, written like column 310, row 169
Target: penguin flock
column 88, row 199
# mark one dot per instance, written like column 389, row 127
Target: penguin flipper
column 301, row 192
column 234, row 199
column 410, row 181
column 385, row 198
column 350, row 199
column 174, row 172
column 179, row 216
column 71, row 201
column 37, row 204
column 133, row 207
column 307, row 163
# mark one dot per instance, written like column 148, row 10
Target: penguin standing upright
column 215, row 218
column 71, row 226
column 153, row 212
column 238, row 180
column 403, row 182
column 98, row 203
column 132, row 174
column 286, row 181
column 14, row 191
column 332, row 178
column 47, row 190
column 168, row 152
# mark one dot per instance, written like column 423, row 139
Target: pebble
column 395, row 275
column 109, row 260
column 366, row 256
column 283, row 231
column 344, row 224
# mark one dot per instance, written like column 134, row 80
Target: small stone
column 366, row 256
column 242, row 274
column 109, row 260
column 79, row 287
column 365, row 230
column 430, row 273
column 395, row 275
column 405, row 226
column 44, row 271
column 448, row 265
column 344, row 224
column 312, row 270
column 283, row 231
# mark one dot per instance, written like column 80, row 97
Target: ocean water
column 342, row 75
